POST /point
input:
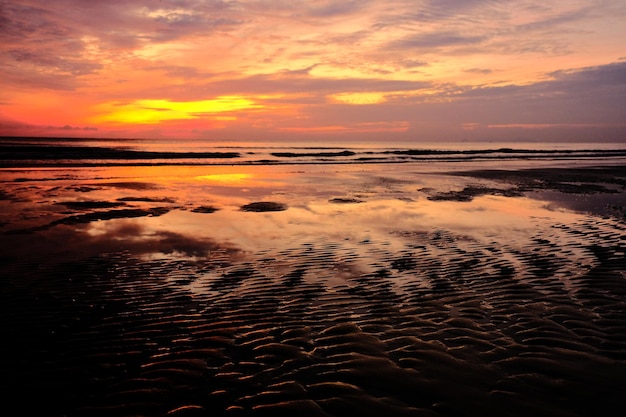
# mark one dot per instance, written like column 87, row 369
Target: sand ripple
column 445, row 325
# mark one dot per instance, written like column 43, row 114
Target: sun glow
column 225, row 178
column 157, row 111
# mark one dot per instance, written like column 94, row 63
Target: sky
column 261, row 70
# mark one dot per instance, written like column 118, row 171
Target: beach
column 394, row 288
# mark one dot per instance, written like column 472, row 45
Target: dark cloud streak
column 432, row 40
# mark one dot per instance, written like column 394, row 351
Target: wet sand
column 317, row 291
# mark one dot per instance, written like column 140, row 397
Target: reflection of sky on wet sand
column 390, row 205
column 318, row 220
column 341, row 223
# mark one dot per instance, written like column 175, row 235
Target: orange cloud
column 359, row 98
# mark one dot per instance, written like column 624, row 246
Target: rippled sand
column 382, row 290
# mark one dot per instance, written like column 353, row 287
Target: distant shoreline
column 21, row 154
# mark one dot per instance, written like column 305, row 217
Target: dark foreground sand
column 386, row 293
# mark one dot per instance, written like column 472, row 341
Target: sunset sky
column 389, row 70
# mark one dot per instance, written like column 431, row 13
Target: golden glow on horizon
column 225, row 178
column 156, row 111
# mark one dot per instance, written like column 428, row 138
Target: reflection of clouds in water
column 321, row 219
column 188, row 234
column 138, row 238
column 131, row 185
column 310, row 217
column 123, row 230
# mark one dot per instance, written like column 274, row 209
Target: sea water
column 32, row 152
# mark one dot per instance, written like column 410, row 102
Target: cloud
column 52, row 44
column 300, row 83
column 44, row 58
column 180, row 71
column 610, row 75
column 434, row 40
column 479, row 70
column 411, row 63
column 20, row 21
column 298, row 72
column 495, row 26
column 174, row 24
column 426, row 63
column 40, row 51
column 330, row 9
column 553, row 19
column 449, row 13
column 585, row 103
column 68, row 127
column 9, row 127
column 578, row 104
column 552, row 125
column 353, row 128
column 603, row 84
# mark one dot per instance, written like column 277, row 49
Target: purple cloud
column 434, row 40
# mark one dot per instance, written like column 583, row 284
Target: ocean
column 42, row 152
